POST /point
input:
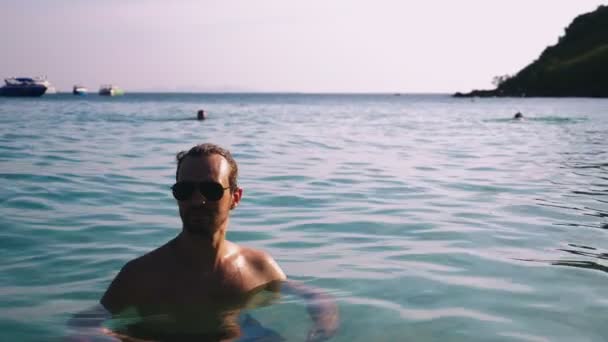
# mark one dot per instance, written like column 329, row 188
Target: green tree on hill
column 576, row 66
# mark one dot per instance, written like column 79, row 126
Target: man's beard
column 202, row 223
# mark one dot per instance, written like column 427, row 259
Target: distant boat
column 79, row 90
column 50, row 89
column 110, row 90
column 22, row 87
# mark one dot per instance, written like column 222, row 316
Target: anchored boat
column 110, row 90
column 22, row 87
column 79, row 90
column 50, row 89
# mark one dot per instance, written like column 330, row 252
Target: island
column 577, row 66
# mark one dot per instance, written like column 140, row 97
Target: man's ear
column 236, row 197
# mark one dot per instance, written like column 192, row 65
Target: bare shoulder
column 262, row 263
column 126, row 288
column 152, row 260
column 149, row 263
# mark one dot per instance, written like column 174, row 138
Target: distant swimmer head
column 201, row 115
column 518, row 116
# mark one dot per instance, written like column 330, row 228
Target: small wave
column 425, row 314
column 540, row 119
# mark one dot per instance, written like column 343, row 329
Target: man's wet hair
column 208, row 149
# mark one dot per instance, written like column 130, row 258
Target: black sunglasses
column 212, row 191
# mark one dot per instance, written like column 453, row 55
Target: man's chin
column 199, row 230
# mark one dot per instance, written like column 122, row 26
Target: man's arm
column 87, row 325
column 121, row 290
column 321, row 307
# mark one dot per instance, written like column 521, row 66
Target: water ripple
column 443, row 218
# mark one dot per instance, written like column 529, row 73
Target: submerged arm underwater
column 88, row 325
column 321, row 307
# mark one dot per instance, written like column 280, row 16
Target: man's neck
column 201, row 252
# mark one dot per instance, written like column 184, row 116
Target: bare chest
column 178, row 289
column 193, row 302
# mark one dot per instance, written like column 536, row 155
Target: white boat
column 79, row 90
column 110, row 90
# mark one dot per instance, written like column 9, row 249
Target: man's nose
column 197, row 197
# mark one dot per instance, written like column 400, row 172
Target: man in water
column 193, row 287
column 518, row 116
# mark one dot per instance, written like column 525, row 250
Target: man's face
column 201, row 216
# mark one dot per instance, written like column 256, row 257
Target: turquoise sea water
column 427, row 218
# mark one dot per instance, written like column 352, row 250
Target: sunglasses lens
column 212, row 191
column 183, row 190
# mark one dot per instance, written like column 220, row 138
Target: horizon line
column 395, row 93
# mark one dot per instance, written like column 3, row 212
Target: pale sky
column 279, row 45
